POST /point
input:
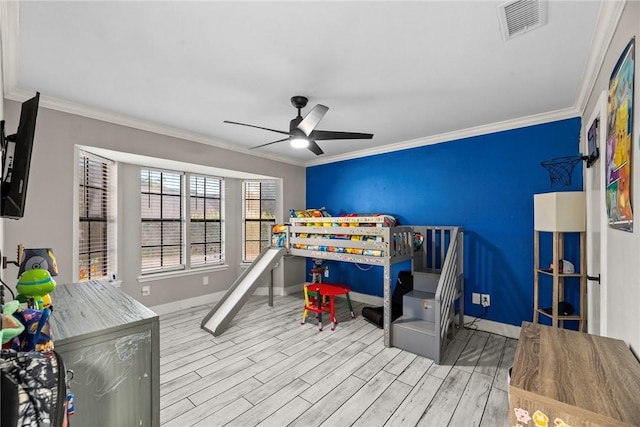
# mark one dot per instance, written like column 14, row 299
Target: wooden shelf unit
column 559, row 280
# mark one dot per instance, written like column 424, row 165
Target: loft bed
column 376, row 240
column 364, row 240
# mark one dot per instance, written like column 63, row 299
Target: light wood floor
column 269, row 370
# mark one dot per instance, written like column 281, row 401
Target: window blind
column 259, row 216
column 93, row 215
column 206, row 216
column 161, row 215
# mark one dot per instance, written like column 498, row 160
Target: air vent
column 521, row 16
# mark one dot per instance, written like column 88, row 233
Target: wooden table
column 112, row 344
column 581, row 379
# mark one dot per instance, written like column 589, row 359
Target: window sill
column 181, row 273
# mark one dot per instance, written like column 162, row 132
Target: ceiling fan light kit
column 299, row 143
column 302, row 133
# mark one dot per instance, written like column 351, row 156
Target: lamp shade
column 562, row 211
column 41, row 258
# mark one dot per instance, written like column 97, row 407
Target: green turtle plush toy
column 36, row 284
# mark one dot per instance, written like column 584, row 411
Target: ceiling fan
column 302, row 133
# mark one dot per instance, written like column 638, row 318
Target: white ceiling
column 409, row 72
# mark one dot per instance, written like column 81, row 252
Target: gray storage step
column 414, row 335
column 426, row 280
column 419, row 305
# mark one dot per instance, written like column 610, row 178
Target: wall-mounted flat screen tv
column 16, row 160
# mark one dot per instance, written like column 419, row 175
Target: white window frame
column 276, row 201
column 189, row 243
column 170, row 267
column 186, row 266
column 110, row 218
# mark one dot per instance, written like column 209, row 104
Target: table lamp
column 41, row 258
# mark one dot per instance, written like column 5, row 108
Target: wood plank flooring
column 268, row 370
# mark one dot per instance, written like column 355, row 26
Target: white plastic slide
column 219, row 317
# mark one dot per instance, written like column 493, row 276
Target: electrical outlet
column 146, row 291
column 486, row 300
column 475, row 298
column 205, row 280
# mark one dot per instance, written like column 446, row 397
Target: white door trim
column 596, row 211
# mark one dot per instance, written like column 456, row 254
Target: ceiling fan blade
column 268, row 143
column 315, row 148
column 321, row 135
column 257, row 127
column 312, row 119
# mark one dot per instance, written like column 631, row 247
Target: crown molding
column 56, row 104
column 536, row 119
column 9, row 20
column 608, row 18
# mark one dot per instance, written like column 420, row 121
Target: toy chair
column 313, row 301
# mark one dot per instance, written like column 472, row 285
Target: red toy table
column 314, row 300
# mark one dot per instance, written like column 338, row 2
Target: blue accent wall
column 484, row 184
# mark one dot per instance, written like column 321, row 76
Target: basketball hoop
column 560, row 169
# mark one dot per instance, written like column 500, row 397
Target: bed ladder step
column 414, row 335
column 419, row 305
column 426, row 280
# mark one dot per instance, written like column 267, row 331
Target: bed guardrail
column 450, row 288
column 373, row 244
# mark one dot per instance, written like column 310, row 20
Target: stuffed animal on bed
column 278, row 235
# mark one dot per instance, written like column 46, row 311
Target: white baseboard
column 509, row 331
column 264, row 290
column 184, row 304
column 290, row 290
column 215, row 297
column 366, row 299
column 355, row 296
column 503, row 329
column 498, row 328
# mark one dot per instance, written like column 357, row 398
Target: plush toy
column 37, row 334
column 11, row 327
column 36, row 284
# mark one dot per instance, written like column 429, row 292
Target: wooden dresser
column 574, row 377
column 111, row 342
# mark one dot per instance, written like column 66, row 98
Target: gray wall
column 622, row 248
column 49, row 211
